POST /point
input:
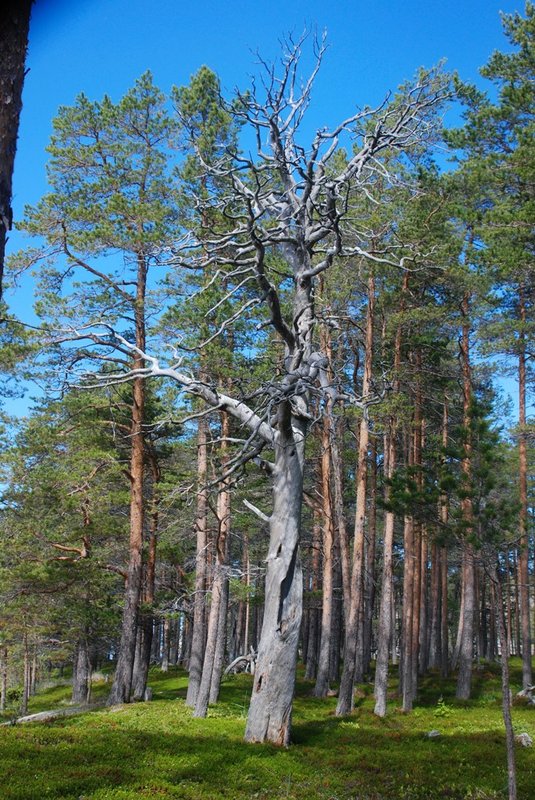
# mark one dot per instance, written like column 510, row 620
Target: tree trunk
column 166, row 645
column 122, row 682
column 321, row 688
column 384, row 633
column 523, row 560
column 369, row 575
column 506, row 694
column 14, row 27
column 81, row 674
column 269, row 717
column 26, row 677
column 215, row 640
column 219, row 657
column 387, row 606
column 146, row 628
column 199, row 603
column 407, row 653
column 435, row 644
column 466, row 649
column 345, row 696
column 312, row 648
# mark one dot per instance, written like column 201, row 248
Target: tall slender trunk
column 444, row 517
column 215, row 639
column 219, row 656
column 269, row 717
column 418, row 528
column 26, row 676
column 506, row 695
column 345, row 697
column 523, row 561
column 201, row 526
column 466, row 650
column 435, row 643
column 444, row 638
column 407, row 653
column 312, row 648
column 340, row 527
column 387, row 610
column 384, row 633
column 321, row 688
column 508, row 608
column 369, row 575
column 122, row 682
column 146, row 628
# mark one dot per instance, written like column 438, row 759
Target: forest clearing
column 159, row 750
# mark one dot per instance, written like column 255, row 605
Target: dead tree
column 293, row 204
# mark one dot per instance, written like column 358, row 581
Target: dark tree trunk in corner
column 14, row 27
column 269, row 716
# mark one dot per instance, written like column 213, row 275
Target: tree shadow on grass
column 104, row 756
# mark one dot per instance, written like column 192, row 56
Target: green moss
column 158, row 750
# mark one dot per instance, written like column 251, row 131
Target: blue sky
column 102, row 46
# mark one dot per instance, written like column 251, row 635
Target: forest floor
column 158, row 750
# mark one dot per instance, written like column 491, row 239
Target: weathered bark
column 81, row 674
column 222, row 556
column 523, row 560
column 14, row 28
column 345, row 696
column 218, row 611
column 219, row 657
column 269, row 717
column 201, row 526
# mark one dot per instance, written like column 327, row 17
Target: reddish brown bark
column 466, row 648
column 345, row 697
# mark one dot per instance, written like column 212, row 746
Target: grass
column 158, row 750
